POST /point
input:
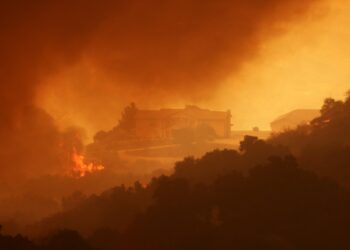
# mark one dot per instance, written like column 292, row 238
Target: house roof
column 299, row 115
column 190, row 111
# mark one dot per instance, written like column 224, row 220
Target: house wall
column 161, row 128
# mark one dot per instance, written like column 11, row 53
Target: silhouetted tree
column 127, row 121
column 277, row 206
column 16, row 243
column 67, row 240
column 323, row 145
column 106, row 239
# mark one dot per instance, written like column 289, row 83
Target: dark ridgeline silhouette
column 260, row 197
column 16, row 243
column 61, row 240
column 323, row 146
column 276, row 206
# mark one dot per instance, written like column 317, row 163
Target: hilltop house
column 294, row 118
column 160, row 124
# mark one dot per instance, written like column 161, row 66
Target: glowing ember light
column 80, row 168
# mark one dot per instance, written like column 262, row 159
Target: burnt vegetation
column 289, row 192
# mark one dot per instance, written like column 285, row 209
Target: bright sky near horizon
column 295, row 70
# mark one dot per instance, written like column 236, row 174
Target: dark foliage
column 277, row 206
column 260, row 197
column 61, row 240
column 16, row 243
column 323, row 146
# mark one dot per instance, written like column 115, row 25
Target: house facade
column 160, row 124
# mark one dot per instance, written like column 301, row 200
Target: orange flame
column 80, row 168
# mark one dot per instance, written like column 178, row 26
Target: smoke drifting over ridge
column 37, row 39
column 179, row 49
column 185, row 46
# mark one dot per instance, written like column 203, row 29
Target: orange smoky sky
column 298, row 69
column 164, row 54
column 80, row 62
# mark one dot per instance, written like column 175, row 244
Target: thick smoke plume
column 182, row 47
column 37, row 39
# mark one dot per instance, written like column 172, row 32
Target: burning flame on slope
column 80, row 168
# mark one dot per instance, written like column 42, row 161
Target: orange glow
column 297, row 70
column 294, row 70
column 81, row 168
